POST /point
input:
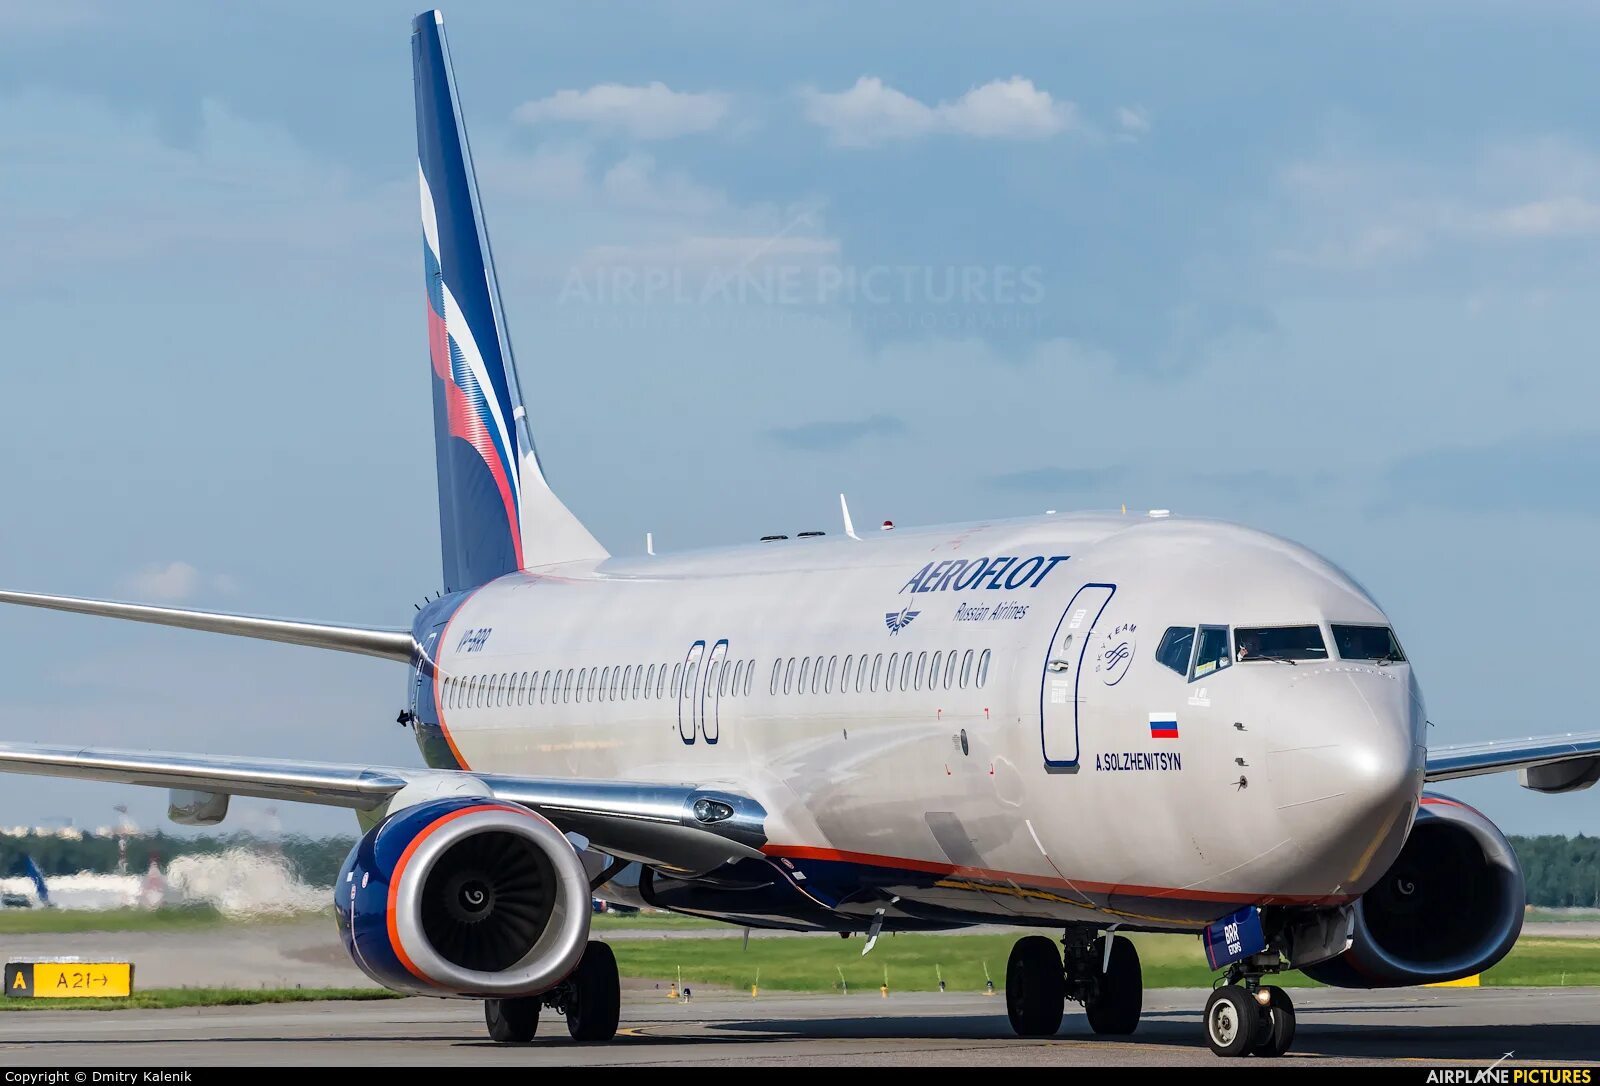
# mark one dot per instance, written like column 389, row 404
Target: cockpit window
column 1368, row 643
column 1177, row 644
column 1212, row 653
column 1284, row 643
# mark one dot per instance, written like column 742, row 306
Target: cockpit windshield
column 1367, row 643
column 1282, row 643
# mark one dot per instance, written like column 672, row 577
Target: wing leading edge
column 1549, row 763
column 385, row 642
column 682, row 826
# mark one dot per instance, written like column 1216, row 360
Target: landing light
column 1263, row 996
column 709, row 810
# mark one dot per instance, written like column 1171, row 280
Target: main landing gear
column 591, row 1000
column 1247, row 1018
column 1101, row 973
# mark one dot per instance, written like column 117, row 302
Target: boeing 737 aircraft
column 1087, row 724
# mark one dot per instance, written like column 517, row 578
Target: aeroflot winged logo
column 962, row 574
column 899, row 620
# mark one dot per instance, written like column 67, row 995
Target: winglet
column 849, row 528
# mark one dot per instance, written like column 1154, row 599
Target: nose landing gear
column 1101, row 973
column 1247, row 1018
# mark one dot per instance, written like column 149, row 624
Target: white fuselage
column 1036, row 777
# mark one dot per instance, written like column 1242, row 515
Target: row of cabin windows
column 631, row 682
column 904, row 671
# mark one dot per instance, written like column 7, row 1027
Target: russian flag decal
column 1163, row 725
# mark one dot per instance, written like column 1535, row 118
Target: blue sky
column 1329, row 272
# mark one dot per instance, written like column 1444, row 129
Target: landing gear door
column 1061, row 687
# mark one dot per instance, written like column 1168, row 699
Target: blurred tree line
column 316, row 860
column 1561, row 871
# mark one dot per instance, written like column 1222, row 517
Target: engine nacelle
column 1450, row 906
column 464, row 896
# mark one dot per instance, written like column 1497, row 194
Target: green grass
column 168, row 998
column 915, row 962
column 1563, row 916
column 66, row 921
column 46, row 921
column 603, row 922
column 1548, row 963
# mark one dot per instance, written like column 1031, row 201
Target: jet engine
column 1450, row 906
column 464, row 896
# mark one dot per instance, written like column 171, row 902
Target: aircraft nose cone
column 1344, row 769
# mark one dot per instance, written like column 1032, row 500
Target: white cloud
column 1344, row 210
column 652, row 112
column 722, row 251
column 635, row 182
column 175, row 582
column 239, row 190
column 872, row 112
column 1133, row 120
column 1562, row 216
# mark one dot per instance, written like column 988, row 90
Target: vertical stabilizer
column 497, row 513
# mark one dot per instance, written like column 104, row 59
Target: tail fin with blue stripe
column 496, row 511
column 38, row 880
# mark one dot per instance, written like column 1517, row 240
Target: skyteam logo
column 963, row 574
column 899, row 620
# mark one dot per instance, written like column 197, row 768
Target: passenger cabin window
column 749, row 677
column 1289, row 643
column 1368, row 643
column 1175, row 649
column 966, row 668
column 983, row 668
column 1211, row 651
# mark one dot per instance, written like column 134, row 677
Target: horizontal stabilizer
column 386, row 642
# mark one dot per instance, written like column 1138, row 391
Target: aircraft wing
column 652, row 823
column 385, row 642
column 1550, row 763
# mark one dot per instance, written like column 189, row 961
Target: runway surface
column 306, row 951
column 1477, row 1026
